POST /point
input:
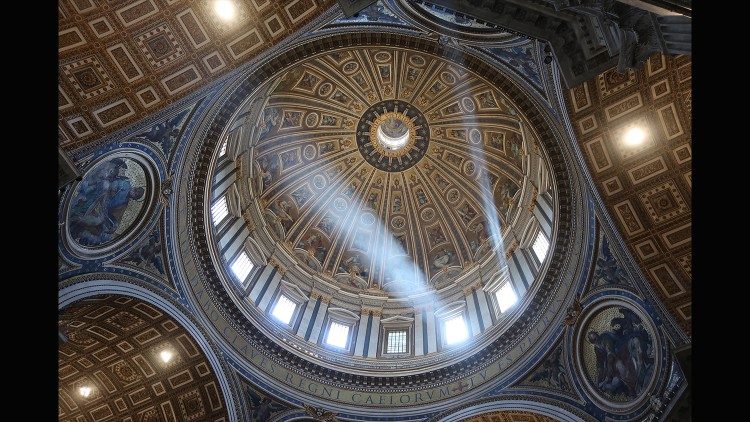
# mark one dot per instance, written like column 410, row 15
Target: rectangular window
column 223, row 149
column 506, row 297
column 337, row 334
column 396, row 342
column 540, row 247
column 242, row 266
column 455, row 330
column 219, row 210
column 284, row 309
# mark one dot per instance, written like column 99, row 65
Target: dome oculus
column 392, row 135
column 392, row 132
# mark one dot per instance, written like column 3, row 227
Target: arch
column 102, row 286
column 523, row 404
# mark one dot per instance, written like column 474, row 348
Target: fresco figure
column 326, row 147
column 314, row 246
column 624, row 359
column 397, row 204
column 164, row 133
column 607, row 271
column 149, row 254
column 443, row 259
column 552, row 373
column 421, row 198
column 280, row 208
column 435, row 236
column 372, row 201
column 261, row 407
column 269, row 169
column 100, row 202
column 353, row 266
column 326, row 225
column 270, row 119
column 466, row 212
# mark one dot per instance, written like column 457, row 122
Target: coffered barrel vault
column 120, row 61
column 136, row 360
column 647, row 189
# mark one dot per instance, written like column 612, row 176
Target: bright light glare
column 396, row 342
column 337, row 335
column 223, row 149
column 283, row 309
column 506, row 297
column 166, row 356
column 219, row 210
column 84, row 391
column 455, row 330
column 635, row 136
column 242, row 266
column 225, row 9
column 540, row 246
column 392, row 143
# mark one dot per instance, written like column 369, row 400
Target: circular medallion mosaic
column 108, row 202
column 392, row 135
column 618, row 353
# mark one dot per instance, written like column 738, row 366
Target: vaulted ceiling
column 112, row 346
column 648, row 188
column 121, row 61
column 338, row 198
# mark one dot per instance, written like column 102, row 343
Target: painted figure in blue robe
column 150, row 253
column 101, row 200
column 624, row 356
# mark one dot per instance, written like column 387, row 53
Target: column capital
column 249, row 222
column 511, row 249
column 532, row 200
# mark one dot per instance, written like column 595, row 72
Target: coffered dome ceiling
column 386, row 170
column 388, row 184
column 381, row 179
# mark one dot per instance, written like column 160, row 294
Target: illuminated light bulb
column 635, row 136
column 166, row 356
column 225, row 9
column 84, row 391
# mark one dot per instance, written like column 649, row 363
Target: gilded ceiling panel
column 114, row 346
column 121, row 61
column 647, row 187
column 510, row 416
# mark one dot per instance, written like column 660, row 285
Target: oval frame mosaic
column 137, row 220
column 580, row 338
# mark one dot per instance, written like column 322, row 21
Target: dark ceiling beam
column 663, row 7
column 681, row 411
column 66, row 170
column 587, row 37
